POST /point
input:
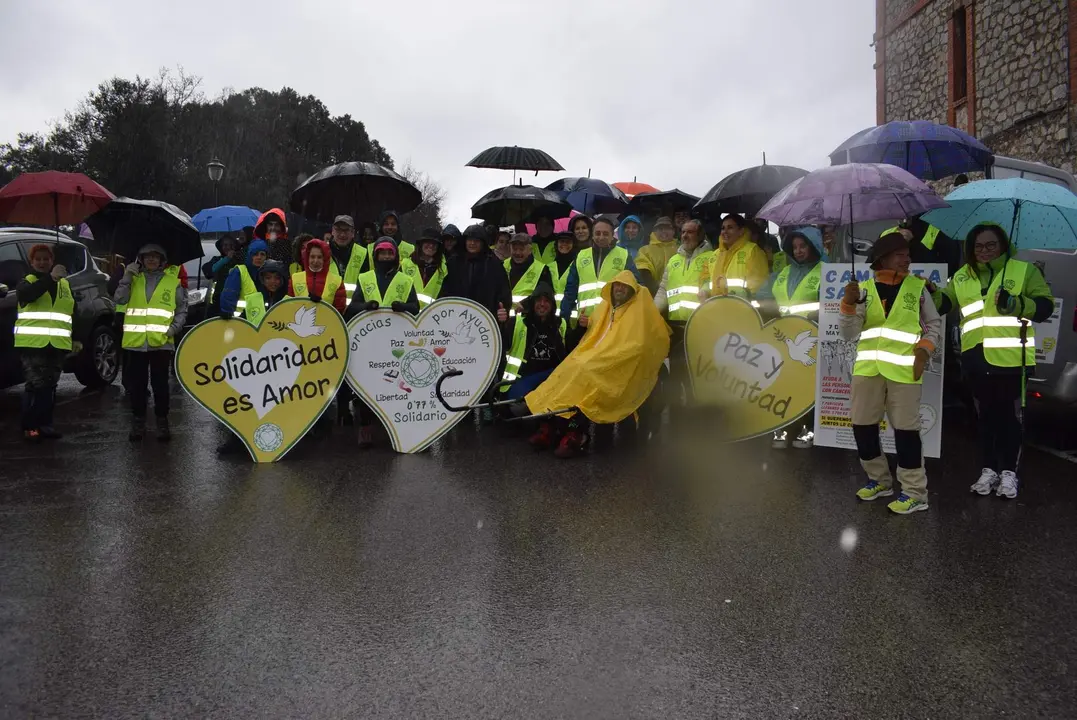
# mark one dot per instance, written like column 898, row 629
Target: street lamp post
column 216, row 172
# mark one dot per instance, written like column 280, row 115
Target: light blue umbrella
column 1037, row 215
column 226, row 218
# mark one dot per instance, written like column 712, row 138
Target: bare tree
column 428, row 214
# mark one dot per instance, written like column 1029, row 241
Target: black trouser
column 997, row 397
column 344, row 398
column 142, row 368
column 679, row 383
column 41, row 370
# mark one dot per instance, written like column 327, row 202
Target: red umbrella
column 635, row 188
column 51, row 198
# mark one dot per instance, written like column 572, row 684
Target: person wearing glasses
column 998, row 298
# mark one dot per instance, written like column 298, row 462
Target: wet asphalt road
column 480, row 580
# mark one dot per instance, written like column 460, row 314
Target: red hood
column 318, row 243
column 259, row 227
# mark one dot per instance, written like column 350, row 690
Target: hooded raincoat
column 632, row 246
column 280, row 249
column 403, row 247
column 232, row 291
column 615, row 367
column 479, row 277
column 315, row 282
column 652, row 259
column 796, row 272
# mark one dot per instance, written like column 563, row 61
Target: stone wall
column 916, row 64
column 1021, row 63
column 896, row 10
column 1044, row 139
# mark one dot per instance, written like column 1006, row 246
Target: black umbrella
column 515, row 158
column 656, row 203
column 515, row 204
column 590, row 195
column 360, row 189
column 747, row 191
column 125, row 225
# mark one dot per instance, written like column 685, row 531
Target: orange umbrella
column 635, row 188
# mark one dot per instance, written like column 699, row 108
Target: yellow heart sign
column 764, row 374
column 267, row 384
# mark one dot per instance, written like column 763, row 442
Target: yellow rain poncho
column 615, row 367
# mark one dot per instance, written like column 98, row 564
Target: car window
column 12, row 267
column 72, row 257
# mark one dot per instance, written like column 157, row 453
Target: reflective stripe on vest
column 425, row 293
column 682, row 277
column 514, row 358
column 981, row 323
column 329, row 289
column 590, row 290
column 805, row 298
column 398, row 291
column 887, row 344
column 526, row 284
column 146, row 321
column 45, row 321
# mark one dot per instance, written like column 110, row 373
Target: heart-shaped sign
column 396, row 361
column 267, row 384
column 764, row 374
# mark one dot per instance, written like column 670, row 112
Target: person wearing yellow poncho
column 652, row 258
column 614, row 368
column 739, row 266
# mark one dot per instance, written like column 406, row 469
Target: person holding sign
column 242, row 281
column 795, row 291
column 317, row 281
column 998, row 297
column 385, row 285
column 898, row 329
column 525, row 272
column 155, row 311
column 426, row 267
column 594, row 267
column 739, row 266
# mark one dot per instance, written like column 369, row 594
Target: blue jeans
column 526, row 384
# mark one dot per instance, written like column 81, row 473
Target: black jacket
column 553, row 346
column 481, row 278
column 27, row 292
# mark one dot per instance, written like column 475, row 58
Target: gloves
column 372, row 305
column 170, row 332
column 314, row 298
column 1008, row 304
column 398, row 306
column 132, row 269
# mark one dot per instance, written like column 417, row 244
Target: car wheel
column 99, row 363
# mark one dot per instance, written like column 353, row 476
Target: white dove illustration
column 304, row 322
column 799, row 348
column 463, row 334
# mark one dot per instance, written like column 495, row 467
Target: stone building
column 1002, row 70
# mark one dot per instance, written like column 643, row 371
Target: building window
column 959, row 56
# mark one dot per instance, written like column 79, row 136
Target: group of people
column 589, row 316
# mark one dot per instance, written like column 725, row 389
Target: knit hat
column 384, row 243
column 888, row 243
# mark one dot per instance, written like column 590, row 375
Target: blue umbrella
column 1037, row 215
column 226, row 218
column 924, row 149
column 590, row 196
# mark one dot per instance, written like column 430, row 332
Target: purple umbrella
column 844, row 194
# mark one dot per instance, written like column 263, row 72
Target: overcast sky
column 677, row 93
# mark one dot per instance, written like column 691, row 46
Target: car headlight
column 197, row 296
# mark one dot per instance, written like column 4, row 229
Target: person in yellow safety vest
column 544, row 244
column 594, row 267
column 156, row 312
column 243, row 281
column 426, row 267
column 998, row 298
column 794, row 290
column 386, row 286
column 652, row 258
column 898, row 329
column 349, row 257
column 318, row 281
column 677, row 298
column 562, row 265
column 390, row 228
column 739, row 266
column 42, row 339
column 525, row 272
column 535, row 344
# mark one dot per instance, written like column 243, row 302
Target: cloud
column 676, row 93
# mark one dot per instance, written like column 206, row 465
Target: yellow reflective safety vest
column 514, row 358
column 736, row 273
column 294, row 268
column 45, row 321
column 682, row 284
column 928, row 241
column 352, row 270
column 560, row 282
column 590, row 291
column 805, row 298
column 548, row 255
column 398, row 291
column 981, row 322
column 527, row 282
column 247, row 288
column 780, row 262
column 329, row 290
column 145, row 322
column 426, row 293
column 887, row 343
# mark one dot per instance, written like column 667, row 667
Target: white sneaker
column 1007, row 487
column 780, row 441
column 988, row 481
column 805, row 439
